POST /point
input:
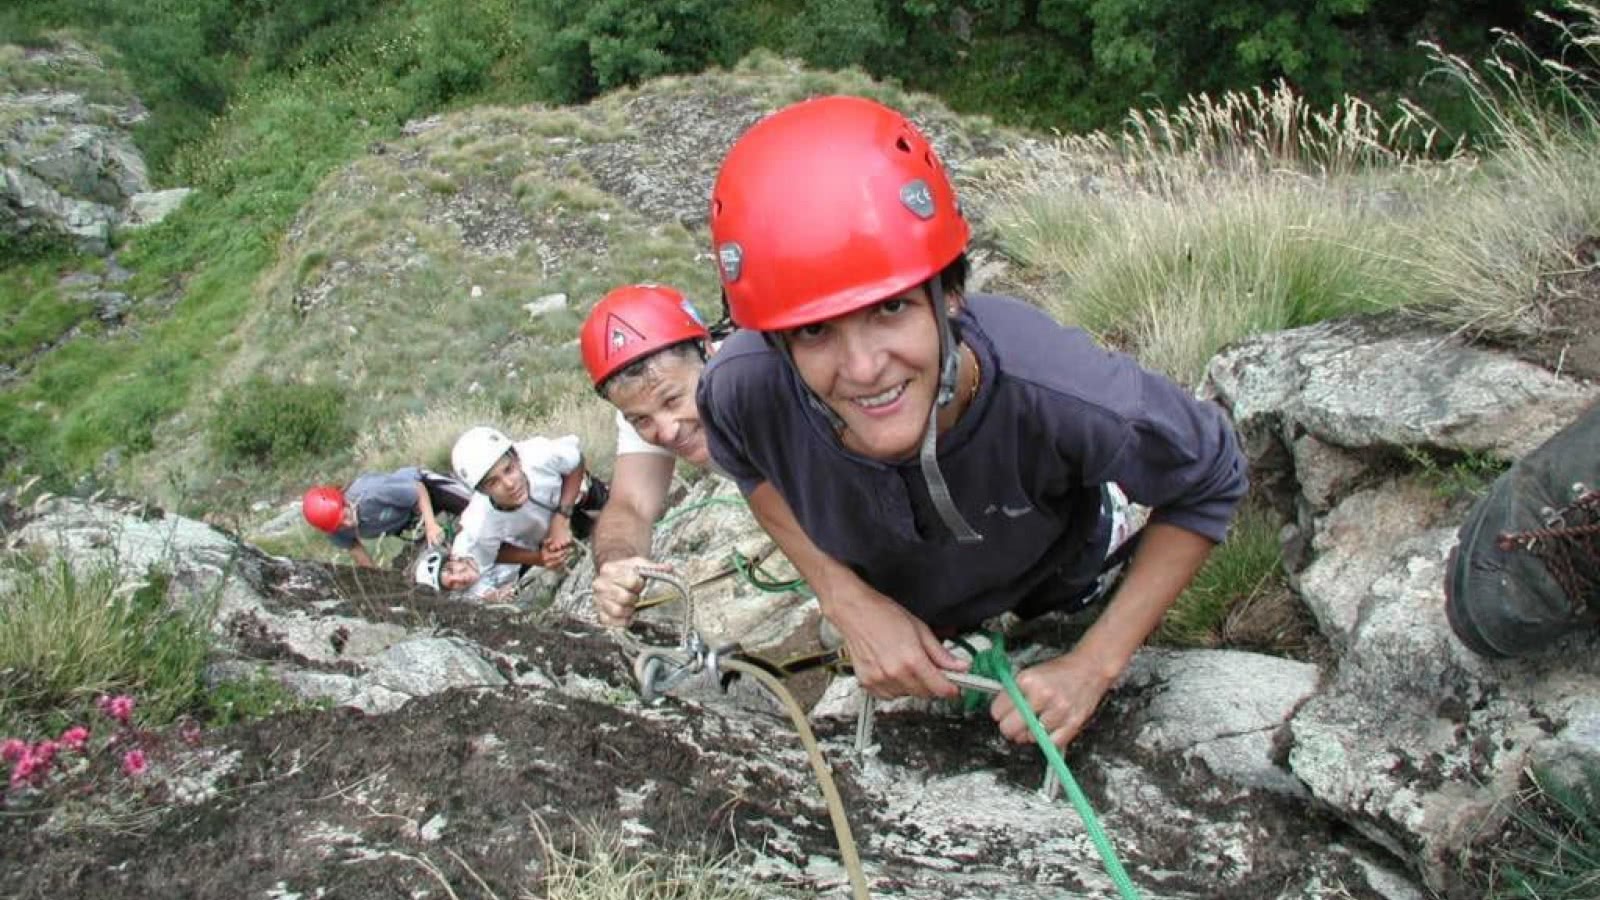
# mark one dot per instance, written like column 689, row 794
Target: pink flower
column 74, row 738
column 119, row 707
column 13, row 749
column 133, row 763
column 33, row 763
column 23, row 770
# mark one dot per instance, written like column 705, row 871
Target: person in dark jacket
column 928, row 458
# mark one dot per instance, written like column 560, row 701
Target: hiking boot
column 1527, row 568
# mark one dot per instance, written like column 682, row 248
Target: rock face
column 1412, row 739
column 68, row 165
column 1183, row 775
column 1385, row 771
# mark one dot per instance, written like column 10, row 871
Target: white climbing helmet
column 430, row 568
column 476, row 452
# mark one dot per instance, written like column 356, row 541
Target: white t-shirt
column 484, row 528
column 492, row 579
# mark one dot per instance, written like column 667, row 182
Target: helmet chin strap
column 776, row 339
column 949, row 375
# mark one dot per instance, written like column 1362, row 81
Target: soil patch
column 340, row 804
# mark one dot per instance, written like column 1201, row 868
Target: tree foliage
column 593, row 47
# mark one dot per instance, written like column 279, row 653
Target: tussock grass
column 1173, row 280
column 1246, row 566
column 1190, row 229
column 1498, row 246
column 602, row 866
column 1193, row 228
column 68, row 636
column 1255, row 134
column 1555, row 851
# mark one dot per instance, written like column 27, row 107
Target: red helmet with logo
column 827, row 206
column 323, row 507
column 633, row 322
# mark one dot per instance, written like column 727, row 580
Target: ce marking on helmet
column 918, row 198
column 731, row 256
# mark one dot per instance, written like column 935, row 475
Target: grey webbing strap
column 949, row 369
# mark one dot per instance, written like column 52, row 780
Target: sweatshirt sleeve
column 1176, row 454
column 719, row 398
column 1167, row 450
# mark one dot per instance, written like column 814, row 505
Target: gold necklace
column 977, row 376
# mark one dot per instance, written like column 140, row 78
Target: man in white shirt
column 644, row 346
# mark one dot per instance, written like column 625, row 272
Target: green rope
column 699, row 504
column 994, row 663
column 752, row 574
column 762, row 582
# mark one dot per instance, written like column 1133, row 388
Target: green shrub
column 595, row 47
column 243, row 699
column 270, row 422
column 836, row 34
column 70, row 636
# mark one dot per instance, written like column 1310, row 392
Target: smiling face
column 659, row 403
column 878, row 369
column 459, row 573
column 506, row 484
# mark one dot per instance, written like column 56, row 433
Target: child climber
column 928, row 458
column 378, row 504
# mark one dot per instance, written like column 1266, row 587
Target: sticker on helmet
column 918, row 198
column 731, row 257
column 693, row 313
column 621, row 333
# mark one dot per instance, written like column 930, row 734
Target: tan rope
column 819, row 765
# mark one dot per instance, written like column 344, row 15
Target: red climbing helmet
column 323, row 507
column 633, row 322
column 828, row 206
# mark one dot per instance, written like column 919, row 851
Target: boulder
column 68, row 164
column 1412, row 739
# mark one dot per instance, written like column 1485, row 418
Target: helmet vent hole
column 716, row 207
column 903, row 145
